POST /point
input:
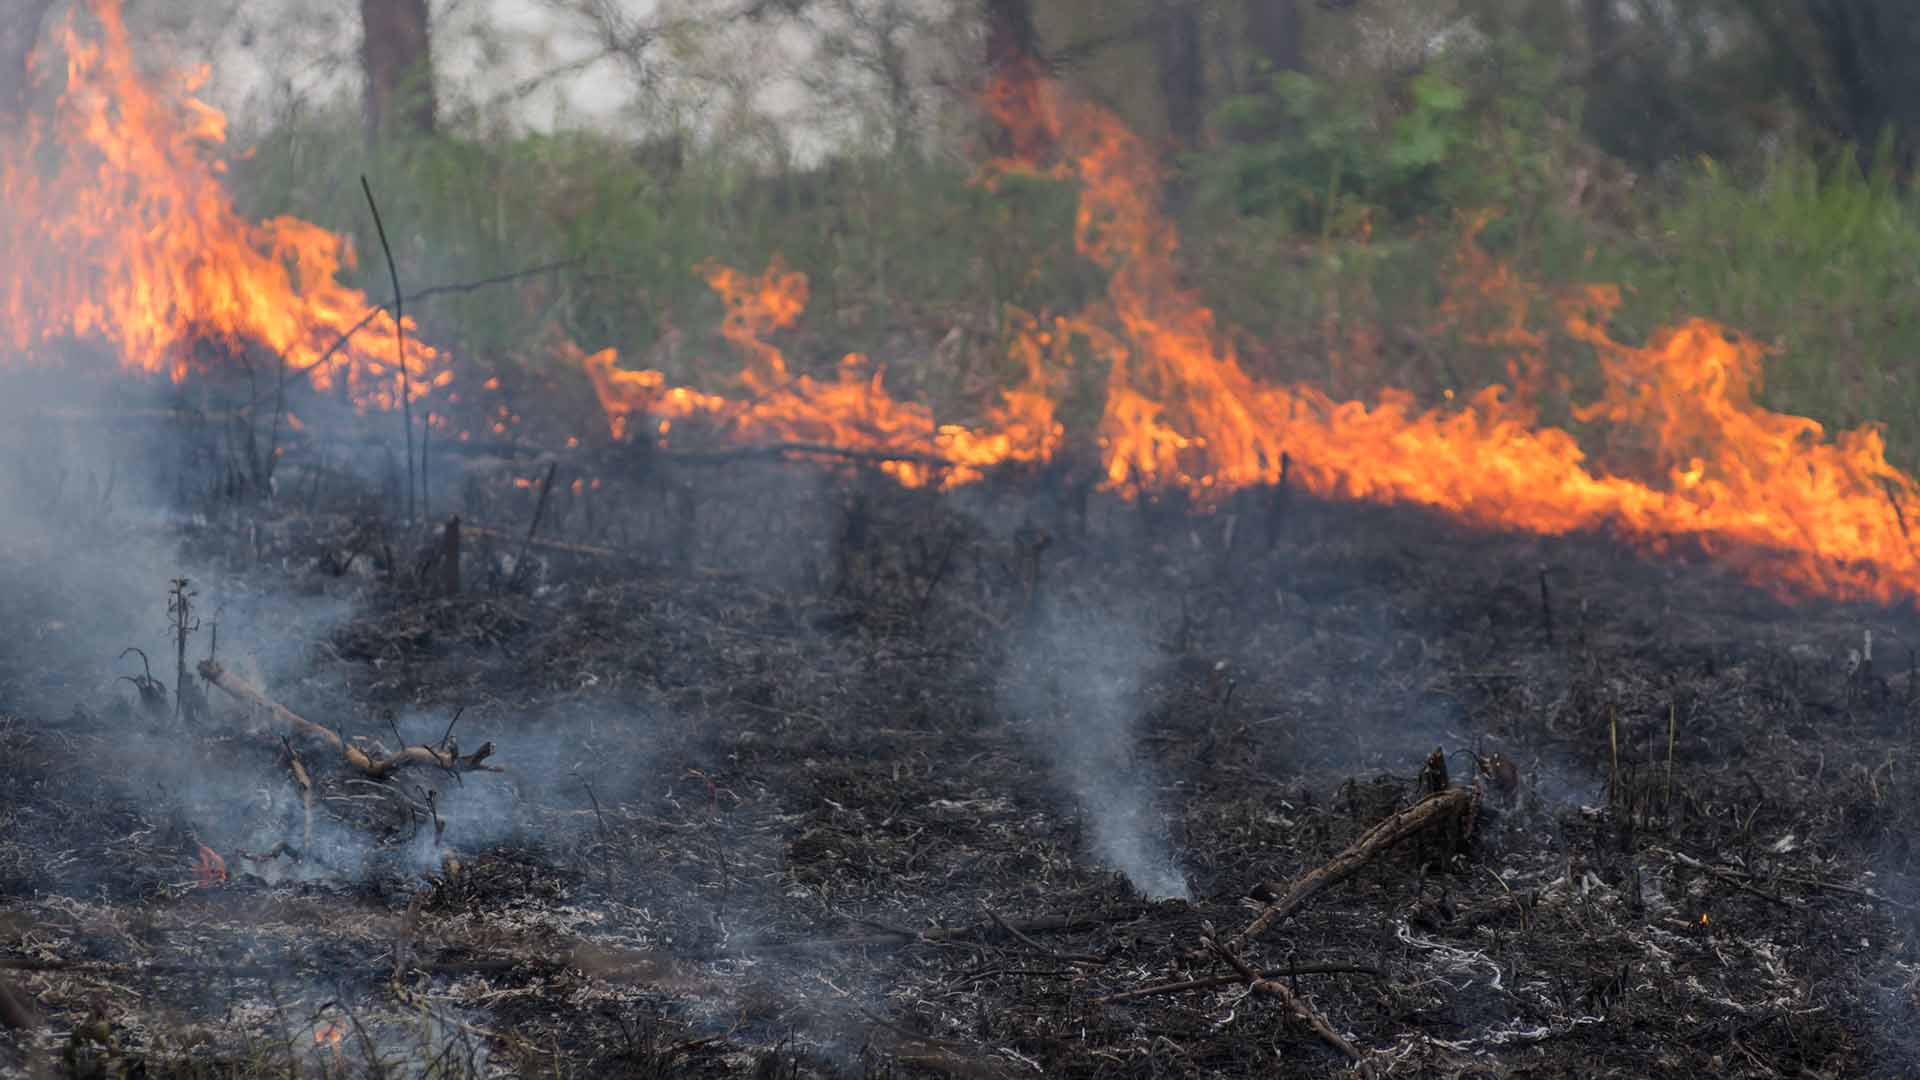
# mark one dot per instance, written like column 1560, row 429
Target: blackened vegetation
column 765, row 813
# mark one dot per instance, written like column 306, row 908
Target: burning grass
column 1094, row 731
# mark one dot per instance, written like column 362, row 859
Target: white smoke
column 1077, row 689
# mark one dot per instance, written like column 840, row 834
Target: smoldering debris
column 789, row 830
column 1075, row 688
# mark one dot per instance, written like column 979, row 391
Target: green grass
column 1820, row 260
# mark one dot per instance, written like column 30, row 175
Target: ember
column 210, row 868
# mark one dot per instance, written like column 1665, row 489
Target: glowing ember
column 329, row 1035
column 211, row 869
column 118, row 229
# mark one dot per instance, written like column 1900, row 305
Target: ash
column 982, row 787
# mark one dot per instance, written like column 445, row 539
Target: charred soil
column 795, row 782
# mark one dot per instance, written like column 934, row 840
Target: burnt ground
column 783, row 759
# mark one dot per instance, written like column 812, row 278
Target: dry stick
column 305, row 783
column 1546, row 605
column 400, row 336
column 1213, row 981
column 1673, row 720
column 374, row 768
column 1737, row 876
column 1016, row 933
column 450, row 559
column 279, row 406
column 1287, row 997
column 554, row 545
column 1433, row 810
column 366, row 320
column 426, row 439
column 606, row 843
column 922, row 937
column 1613, row 750
column 539, row 511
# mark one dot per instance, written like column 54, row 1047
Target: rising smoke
column 1076, row 688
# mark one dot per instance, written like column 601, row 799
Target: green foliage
column 1324, row 231
column 1817, row 259
column 1326, row 157
column 887, row 240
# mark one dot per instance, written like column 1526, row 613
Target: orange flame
column 1691, row 456
column 853, row 410
column 117, row 228
column 329, row 1035
column 211, row 869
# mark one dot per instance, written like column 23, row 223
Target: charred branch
column 371, row 760
column 1450, row 807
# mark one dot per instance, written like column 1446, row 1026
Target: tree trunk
column 1011, row 37
column 1603, row 37
column 1183, row 71
column 1013, row 50
column 1276, row 37
column 396, row 52
column 19, row 32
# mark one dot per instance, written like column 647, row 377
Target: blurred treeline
column 1745, row 160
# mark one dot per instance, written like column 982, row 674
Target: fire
column 1688, row 455
column 211, row 869
column 853, row 410
column 118, row 229
column 329, row 1035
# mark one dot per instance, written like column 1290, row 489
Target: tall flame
column 117, row 227
column 1691, row 456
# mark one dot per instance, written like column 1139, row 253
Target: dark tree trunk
column 1011, row 37
column 1013, row 51
column 396, row 52
column 1603, row 37
column 1183, row 71
column 1276, row 37
column 1870, row 48
column 19, row 31
column 1849, row 66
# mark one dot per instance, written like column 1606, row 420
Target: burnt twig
column 937, row 935
column 399, row 334
column 1294, row 1003
column 374, row 765
column 539, row 511
column 1215, row 981
column 1446, row 806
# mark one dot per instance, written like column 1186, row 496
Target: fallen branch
column 498, row 533
column 437, row 290
column 1214, row 981
column 1742, row 878
column 1436, row 809
column 1021, row 936
column 1294, row 1003
column 896, row 938
column 373, row 761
